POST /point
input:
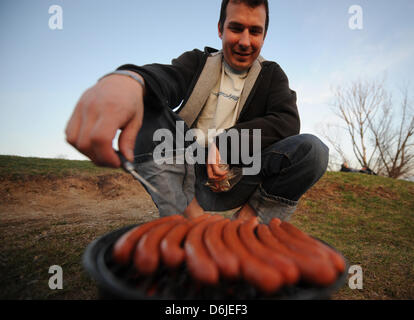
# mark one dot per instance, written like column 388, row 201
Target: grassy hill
column 51, row 209
column 22, row 168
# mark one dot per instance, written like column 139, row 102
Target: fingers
column 217, row 182
column 101, row 137
column 94, row 139
column 215, row 173
column 128, row 136
column 219, row 170
column 73, row 126
column 213, row 154
column 112, row 104
column 126, row 140
column 91, row 135
column 75, row 122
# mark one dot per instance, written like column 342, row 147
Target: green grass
column 370, row 219
column 17, row 168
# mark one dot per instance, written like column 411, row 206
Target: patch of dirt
column 381, row 192
column 323, row 190
column 93, row 199
column 329, row 190
column 46, row 221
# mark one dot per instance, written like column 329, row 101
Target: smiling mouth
column 242, row 54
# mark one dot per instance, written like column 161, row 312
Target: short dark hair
column 250, row 3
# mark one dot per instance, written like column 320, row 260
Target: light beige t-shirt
column 221, row 108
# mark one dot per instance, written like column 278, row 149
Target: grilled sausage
column 200, row 218
column 284, row 265
column 335, row 257
column 147, row 253
column 172, row 253
column 295, row 244
column 226, row 261
column 201, row 266
column 125, row 245
column 312, row 270
column 254, row 271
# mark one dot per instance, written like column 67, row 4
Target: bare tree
column 395, row 144
column 331, row 133
column 380, row 140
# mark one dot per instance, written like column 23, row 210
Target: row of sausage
column 213, row 247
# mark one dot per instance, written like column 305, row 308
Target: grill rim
column 112, row 287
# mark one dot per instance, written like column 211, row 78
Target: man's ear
column 220, row 32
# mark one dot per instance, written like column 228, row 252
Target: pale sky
column 44, row 71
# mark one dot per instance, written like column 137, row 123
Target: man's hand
column 215, row 171
column 115, row 102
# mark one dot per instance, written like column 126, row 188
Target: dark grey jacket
column 266, row 103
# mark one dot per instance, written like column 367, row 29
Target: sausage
column 125, row 245
column 284, row 265
column 200, row 265
column 295, row 244
column 147, row 253
column 227, row 262
column 335, row 257
column 312, row 270
column 200, row 218
column 172, row 253
column 254, row 271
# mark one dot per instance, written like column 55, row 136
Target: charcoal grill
column 124, row 282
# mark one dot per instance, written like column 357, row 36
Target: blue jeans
column 288, row 169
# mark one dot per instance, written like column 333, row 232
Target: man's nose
column 244, row 40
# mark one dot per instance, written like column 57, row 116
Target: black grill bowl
column 115, row 282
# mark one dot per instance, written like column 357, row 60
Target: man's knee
column 305, row 153
column 316, row 152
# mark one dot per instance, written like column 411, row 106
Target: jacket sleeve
column 272, row 109
column 167, row 85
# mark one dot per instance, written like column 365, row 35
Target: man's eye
column 255, row 31
column 236, row 29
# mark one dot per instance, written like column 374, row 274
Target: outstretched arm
column 117, row 102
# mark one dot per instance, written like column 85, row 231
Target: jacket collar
column 206, row 82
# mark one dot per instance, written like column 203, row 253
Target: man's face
column 243, row 35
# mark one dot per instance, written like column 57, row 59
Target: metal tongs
column 130, row 168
